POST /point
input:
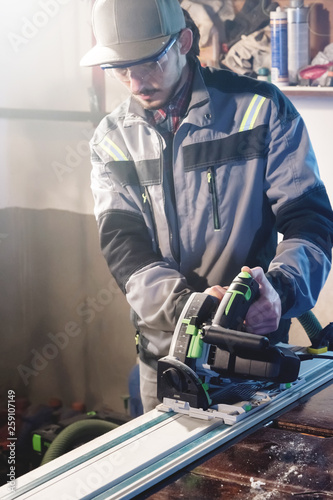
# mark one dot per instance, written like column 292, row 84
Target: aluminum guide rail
column 139, row 454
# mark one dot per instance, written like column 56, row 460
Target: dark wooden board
column 315, row 416
column 271, row 463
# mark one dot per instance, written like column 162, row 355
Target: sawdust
column 288, row 465
column 266, row 495
column 256, row 485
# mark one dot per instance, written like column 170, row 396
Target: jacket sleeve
column 303, row 215
column 155, row 290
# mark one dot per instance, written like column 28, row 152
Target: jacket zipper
column 212, row 189
column 171, row 236
column 146, row 199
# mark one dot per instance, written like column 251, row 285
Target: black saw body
column 210, row 349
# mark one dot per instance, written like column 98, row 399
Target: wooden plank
column 288, row 462
column 269, row 462
column 313, row 416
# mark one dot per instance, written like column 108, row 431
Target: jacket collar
column 200, row 99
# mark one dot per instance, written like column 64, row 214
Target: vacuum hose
column 76, row 434
column 310, row 324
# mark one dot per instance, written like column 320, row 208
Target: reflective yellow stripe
column 252, row 113
column 261, row 102
column 109, row 152
column 113, row 150
column 248, row 111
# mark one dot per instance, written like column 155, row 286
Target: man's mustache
column 145, row 91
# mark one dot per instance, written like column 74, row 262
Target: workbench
column 280, row 450
column 291, row 458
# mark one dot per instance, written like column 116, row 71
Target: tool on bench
column 216, row 376
column 210, row 349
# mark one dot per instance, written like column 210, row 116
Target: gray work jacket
column 243, row 170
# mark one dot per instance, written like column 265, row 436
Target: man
column 192, row 178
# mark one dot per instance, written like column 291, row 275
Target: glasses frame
column 151, row 59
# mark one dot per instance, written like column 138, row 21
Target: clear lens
column 152, row 69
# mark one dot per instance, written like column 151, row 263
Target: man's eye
column 151, row 66
column 121, row 71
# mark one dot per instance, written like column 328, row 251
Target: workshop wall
column 317, row 113
column 65, row 326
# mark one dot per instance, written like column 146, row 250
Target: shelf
column 51, row 115
column 299, row 91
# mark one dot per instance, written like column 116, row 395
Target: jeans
column 148, row 387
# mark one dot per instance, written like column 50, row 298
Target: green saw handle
column 242, row 292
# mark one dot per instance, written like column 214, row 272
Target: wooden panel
column 313, row 416
column 271, row 461
column 292, row 459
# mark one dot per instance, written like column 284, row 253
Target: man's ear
column 185, row 41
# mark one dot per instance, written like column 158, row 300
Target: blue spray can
column 279, row 45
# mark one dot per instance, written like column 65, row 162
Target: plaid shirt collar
column 172, row 113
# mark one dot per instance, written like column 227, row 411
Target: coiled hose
column 310, row 324
column 75, row 434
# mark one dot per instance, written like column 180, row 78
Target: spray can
column 329, row 79
column 298, row 38
column 279, row 46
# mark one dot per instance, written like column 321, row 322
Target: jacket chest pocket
column 211, row 180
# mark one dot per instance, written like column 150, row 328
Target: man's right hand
column 264, row 314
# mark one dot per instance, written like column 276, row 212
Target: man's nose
column 137, row 76
column 136, row 82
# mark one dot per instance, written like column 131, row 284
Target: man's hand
column 217, row 291
column 264, row 314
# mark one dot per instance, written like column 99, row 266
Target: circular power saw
column 210, row 347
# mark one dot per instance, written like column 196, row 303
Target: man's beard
column 170, row 93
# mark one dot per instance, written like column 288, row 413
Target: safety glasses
column 152, row 67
